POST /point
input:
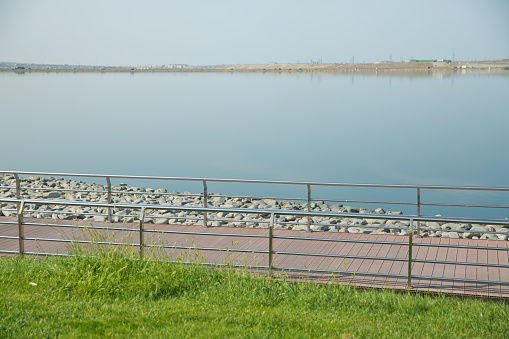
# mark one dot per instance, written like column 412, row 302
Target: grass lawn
column 111, row 294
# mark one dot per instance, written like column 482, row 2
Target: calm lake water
column 430, row 130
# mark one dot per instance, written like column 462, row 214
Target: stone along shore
column 139, row 195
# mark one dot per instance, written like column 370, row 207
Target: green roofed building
column 416, row 60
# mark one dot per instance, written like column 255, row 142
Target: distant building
column 168, row 66
column 176, row 66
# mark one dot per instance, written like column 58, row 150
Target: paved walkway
column 239, row 241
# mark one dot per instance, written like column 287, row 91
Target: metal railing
column 205, row 195
column 270, row 236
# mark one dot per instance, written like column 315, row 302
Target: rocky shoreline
column 139, row 195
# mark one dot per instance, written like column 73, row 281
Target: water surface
column 430, row 130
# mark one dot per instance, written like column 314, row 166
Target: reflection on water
column 440, row 129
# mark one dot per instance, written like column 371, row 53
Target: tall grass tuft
column 112, row 268
column 105, row 289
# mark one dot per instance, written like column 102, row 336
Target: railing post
column 21, row 205
column 271, row 228
column 410, row 236
column 418, row 211
column 309, row 208
column 21, row 229
column 142, row 216
column 18, row 187
column 205, row 203
column 108, row 182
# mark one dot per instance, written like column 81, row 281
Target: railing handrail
column 256, row 211
column 256, row 181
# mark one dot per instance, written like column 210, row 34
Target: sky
column 205, row 32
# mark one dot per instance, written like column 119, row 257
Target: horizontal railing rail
column 258, row 211
column 279, row 182
column 271, row 251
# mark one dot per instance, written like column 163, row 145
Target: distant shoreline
column 372, row 67
column 389, row 68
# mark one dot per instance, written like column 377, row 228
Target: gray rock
column 319, row 228
column 401, row 224
column 53, row 195
column 448, row 226
column 359, row 230
column 270, row 202
column 183, row 214
column 300, row 228
column 456, row 226
column 453, row 235
column 394, row 230
column 433, row 225
column 479, row 228
column 469, row 235
column 351, row 209
column 316, row 220
column 218, row 201
column 376, row 221
column 490, row 228
column 354, row 221
column 380, row 231
column 258, row 205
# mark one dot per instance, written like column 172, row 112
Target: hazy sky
column 204, row 32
